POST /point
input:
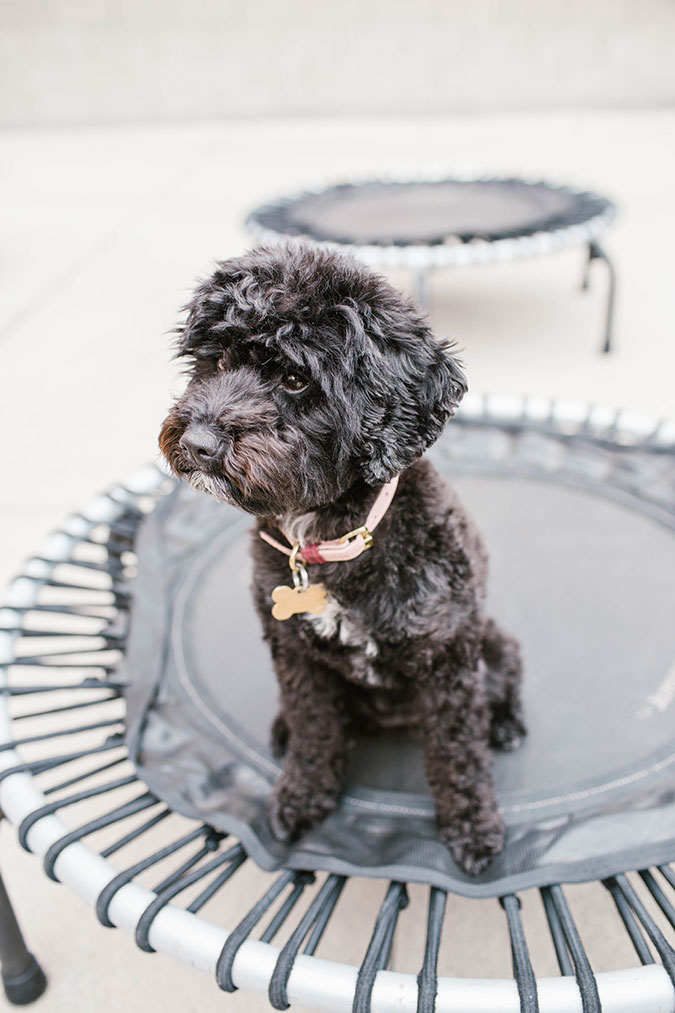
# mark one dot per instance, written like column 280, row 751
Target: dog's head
column 308, row 373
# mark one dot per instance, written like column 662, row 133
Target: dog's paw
column 476, row 846
column 507, row 732
column 280, row 820
column 293, row 809
column 474, row 858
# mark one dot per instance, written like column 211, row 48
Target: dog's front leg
column 457, row 760
column 312, row 705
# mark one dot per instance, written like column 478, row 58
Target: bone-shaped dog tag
column 291, row 601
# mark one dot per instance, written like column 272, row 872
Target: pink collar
column 349, row 546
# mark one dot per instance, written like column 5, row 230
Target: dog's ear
column 200, row 313
column 421, row 385
column 211, row 311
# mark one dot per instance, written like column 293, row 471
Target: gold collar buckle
column 363, row 531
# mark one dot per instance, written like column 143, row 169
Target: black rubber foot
column 26, row 987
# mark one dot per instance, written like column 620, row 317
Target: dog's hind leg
column 279, row 736
column 457, row 760
column 501, row 654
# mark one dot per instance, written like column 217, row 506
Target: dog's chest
column 336, row 624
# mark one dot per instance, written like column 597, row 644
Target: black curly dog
column 313, row 382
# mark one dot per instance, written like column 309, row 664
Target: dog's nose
column 202, row 447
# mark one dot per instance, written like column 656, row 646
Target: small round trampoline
column 423, row 224
column 171, row 716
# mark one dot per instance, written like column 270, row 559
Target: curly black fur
column 313, row 382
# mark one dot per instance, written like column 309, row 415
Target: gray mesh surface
column 582, row 571
column 430, row 212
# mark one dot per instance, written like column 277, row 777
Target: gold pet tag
column 291, row 601
column 302, row 597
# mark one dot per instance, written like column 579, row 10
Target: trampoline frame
column 290, row 973
column 424, row 258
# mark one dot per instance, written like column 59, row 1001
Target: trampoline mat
column 413, row 213
column 586, row 583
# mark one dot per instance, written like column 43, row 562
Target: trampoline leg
column 422, row 289
column 596, row 252
column 22, row 977
column 586, row 277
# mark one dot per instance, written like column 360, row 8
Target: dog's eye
column 294, row 382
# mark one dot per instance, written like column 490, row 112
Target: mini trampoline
column 135, row 760
column 423, row 224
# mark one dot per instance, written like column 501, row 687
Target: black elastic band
column 62, row 803
column 62, row 710
column 78, row 778
column 106, row 895
column 242, row 931
column 630, row 922
column 286, row 908
column 380, row 942
column 42, row 766
column 326, row 898
column 427, row 979
column 557, row 935
column 588, row 987
column 658, row 895
column 137, row 805
column 661, row 945
column 522, row 965
column 59, row 734
column 235, row 856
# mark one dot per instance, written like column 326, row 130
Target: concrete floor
column 103, row 233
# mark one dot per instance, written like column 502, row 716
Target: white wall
column 78, row 61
